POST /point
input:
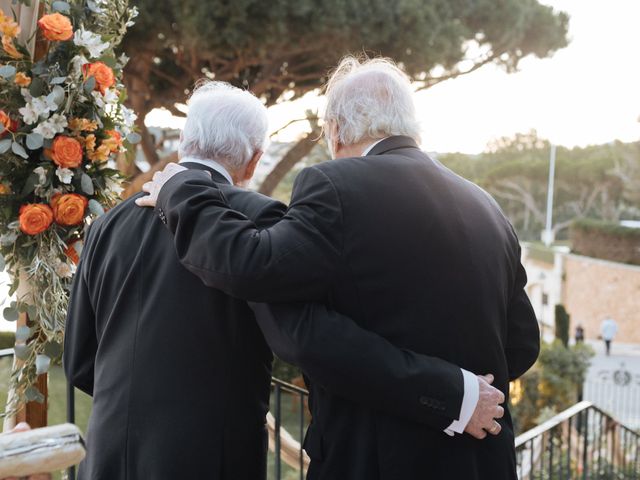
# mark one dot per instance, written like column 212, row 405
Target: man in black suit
column 393, row 240
column 180, row 372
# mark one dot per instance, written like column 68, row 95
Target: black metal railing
column 285, row 423
column 583, row 442
column 290, row 451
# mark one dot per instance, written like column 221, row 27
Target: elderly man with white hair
column 408, row 250
column 180, row 372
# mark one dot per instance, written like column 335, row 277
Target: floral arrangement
column 62, row 121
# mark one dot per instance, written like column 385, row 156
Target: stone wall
column 596, row 288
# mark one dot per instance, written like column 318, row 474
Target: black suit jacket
column 180, row 373
column 410, row 251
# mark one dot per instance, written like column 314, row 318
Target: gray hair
column 225, row 124
column 372, row 99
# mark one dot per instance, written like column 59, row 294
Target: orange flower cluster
column 66, row 152
column 69, row 209
column 10, row 48
column 56, row 27
column 8, row 28
column 78, row 125
column 7, row 124
column 104, row 76
column 35, row 218
column 22, row 80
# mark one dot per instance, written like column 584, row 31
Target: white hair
column 225, row 124
column 370, row 99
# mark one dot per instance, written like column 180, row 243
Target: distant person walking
column 579, row 334
column 608, row 330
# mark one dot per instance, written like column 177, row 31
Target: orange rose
column 6, row 123
column 71, row 252
column 35, row 218
column 103, row 75
column 56, row 27
column 22, row 80
column 10, row 48
column 68, row 209
column 113, row 140
column 66, row 152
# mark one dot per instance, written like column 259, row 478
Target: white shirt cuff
column 469, row 403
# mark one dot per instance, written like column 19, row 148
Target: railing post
column 278, row 422
column 71, row 418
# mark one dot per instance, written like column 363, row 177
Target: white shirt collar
column 370, row 147
column 211, row 164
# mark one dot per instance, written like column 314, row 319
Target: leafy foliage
column 63, row 119
column 597, row 181
column 552, row 385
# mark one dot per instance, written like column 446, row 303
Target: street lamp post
column 547, row 234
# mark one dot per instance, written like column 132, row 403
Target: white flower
column 37, row 107
column 76, row 65
column 49, row 128
column 128, row 118
column 113, row 185
column 98, row 99
column 42, row 175
column 111, row 97
column 91, row 41
column 64, row 175
column 63, row 270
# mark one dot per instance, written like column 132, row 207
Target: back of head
column 370, row 99
column 225, row 124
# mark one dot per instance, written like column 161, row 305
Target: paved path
column 613, row 382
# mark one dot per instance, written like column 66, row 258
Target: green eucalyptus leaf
column 32, row 311
column 21, row 351
column 10, row 314
column 34, row 141
column 62, row 7
column 8, row 239
column 134, row 137
column 3, row 264
column 5, row 145
column 19, row 150
column 87, row 184
column 30, row 184
column 57, row 95
column 23, row 333
column 39, row 68
column 37, row 87
column 53, row 349
column 57, row 80
column 90, row 85
column 93, row 6
column 42, row 364
column 7, row 71
column 95, row 208
column 31, row 393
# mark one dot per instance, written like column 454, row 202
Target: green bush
column 552, row 385
column 7, row 340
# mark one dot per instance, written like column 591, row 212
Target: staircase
column 583, row 442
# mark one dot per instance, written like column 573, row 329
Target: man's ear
column 251, row 166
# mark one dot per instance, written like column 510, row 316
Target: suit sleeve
column 523, row 334
column 362, row 366
column 80, row 341
column 295, row 259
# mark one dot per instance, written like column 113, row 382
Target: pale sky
column 587, row 93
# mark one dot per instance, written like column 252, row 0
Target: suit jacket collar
column 393, row 143
column 217, row 176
